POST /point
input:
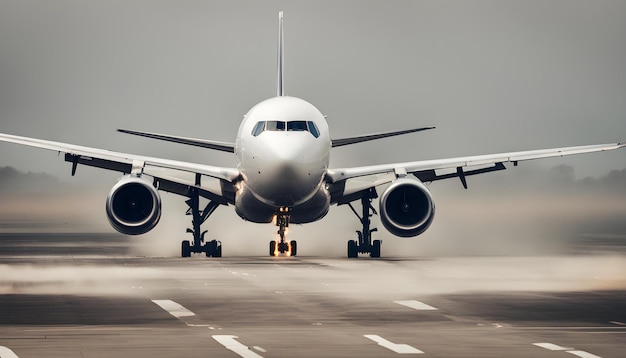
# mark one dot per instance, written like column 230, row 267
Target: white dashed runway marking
column 240, row 349
column 583, row 354
column 417, row 305
column 7, row 353
column 550, row 346
column 578, row 353
column 398, row 348
column 174, row 308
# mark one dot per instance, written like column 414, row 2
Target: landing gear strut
column 282, row 221
column 212, row 248
column 364, row 244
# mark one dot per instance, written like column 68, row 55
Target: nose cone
column 292, row 168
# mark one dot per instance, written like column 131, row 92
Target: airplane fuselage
column 283, row 151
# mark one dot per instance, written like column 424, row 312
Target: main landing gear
column 212, row 248
column 290, row 248
column 364, row 244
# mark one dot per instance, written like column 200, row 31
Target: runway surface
column 91, row 295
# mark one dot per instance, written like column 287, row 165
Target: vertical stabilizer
column 281, row 56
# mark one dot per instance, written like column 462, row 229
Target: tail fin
column 281, row 56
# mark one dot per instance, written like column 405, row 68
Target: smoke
column 88, row 280
column 521, row 211
column 546, row 222
column 524, row 211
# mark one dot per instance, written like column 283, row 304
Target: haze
column 491, row 75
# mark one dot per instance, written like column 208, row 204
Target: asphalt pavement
column 91, row 295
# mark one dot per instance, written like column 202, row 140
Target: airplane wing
column 203, row 143
column 122, row 162
column 426, row 170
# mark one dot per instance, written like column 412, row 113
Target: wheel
column 294, row 248
column 352, row 249
column 272, row 248
column 209, row 248
column 217, row 249
column 375, row 249
column 185, row 249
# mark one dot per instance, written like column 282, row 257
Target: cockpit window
column 275, row 126
column 292, row 126
column 258, row 129
column 313, row 129
column 297, row 126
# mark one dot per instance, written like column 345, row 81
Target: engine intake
column 407, row 208
column 133, row 206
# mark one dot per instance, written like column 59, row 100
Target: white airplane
column 283, row 148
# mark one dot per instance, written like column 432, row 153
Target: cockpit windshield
column 275, row 126
column 291, row 126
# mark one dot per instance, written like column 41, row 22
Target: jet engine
column 407, row 208
column 133, row 206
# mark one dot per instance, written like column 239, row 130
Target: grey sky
column 491, row 75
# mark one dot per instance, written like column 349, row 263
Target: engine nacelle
column 133, row 206
column 407, row 208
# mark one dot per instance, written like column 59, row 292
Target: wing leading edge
column 123, row 162
column 426, row 169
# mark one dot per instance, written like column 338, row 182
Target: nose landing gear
column 283, row 247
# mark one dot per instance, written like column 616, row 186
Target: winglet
column 281, row 56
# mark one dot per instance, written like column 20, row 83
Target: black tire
column 375, row 248
column 185, row 249
column 209, row 248
column 352, row 249
column 294, row 248
column 217, row 250
column 272, row 248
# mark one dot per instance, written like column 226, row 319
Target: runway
column 92, row 295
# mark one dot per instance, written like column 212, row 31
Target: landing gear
column 282, row 246
column 294, row 248
column 211, row 248
column 364, row 244
column 352, row 249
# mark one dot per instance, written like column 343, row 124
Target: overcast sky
column 492, row 76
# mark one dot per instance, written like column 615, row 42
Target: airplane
column 283, row 149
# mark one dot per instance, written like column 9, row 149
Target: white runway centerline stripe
column 416, row 305
column 174, row 308
column 231, row 344
column 7, row 353
column 398, row 348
